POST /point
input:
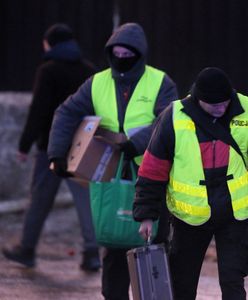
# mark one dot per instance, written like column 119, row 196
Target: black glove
column 129, row 150
column 60, row 167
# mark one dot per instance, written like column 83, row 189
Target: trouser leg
column 82, row 202
column 188, row 248
column 232, row 259
column 115, row 276
column 44, row 187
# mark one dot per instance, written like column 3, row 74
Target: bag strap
column 120, row 167
column 134, row 177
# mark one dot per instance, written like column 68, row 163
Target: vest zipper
column 213, row 147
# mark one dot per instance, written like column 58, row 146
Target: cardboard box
column 94, row 155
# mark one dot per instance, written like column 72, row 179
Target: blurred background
column 183, row 37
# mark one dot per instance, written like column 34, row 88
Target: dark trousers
column 115, row 275
column 189, row 246
column 44, row 188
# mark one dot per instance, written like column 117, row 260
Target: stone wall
column 14, row 176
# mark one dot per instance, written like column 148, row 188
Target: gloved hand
column 129, row 150
column 60, row 167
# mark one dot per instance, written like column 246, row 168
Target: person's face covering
column 216, row 110
column 123, row 59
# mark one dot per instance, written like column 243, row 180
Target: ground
column 57, row 274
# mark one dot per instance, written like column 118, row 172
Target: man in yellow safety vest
column 128, row 96
column 197, row 160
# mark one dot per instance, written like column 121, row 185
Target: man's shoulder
column 167, row 80
column 155, row 69
column 61, row 69
column 47, row 66
column 50, row 65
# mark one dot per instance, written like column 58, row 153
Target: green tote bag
column 111, row 206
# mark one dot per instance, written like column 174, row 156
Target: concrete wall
column 14, row 176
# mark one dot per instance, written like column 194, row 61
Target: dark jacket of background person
column 61, row 73
column 115, row 278
column 189, row 243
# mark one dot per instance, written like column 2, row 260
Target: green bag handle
column 120, row 167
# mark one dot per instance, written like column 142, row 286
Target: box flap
column 82, row 139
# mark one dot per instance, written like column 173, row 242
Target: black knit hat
column 58, row 33
column 212, row 85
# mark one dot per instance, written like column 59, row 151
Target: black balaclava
column 124, row 64
column 212, row 85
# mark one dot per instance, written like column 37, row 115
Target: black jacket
column 61, row 73
column 213, row 136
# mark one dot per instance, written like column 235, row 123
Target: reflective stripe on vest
column 238, row 186
column 139, row 112
column 186, row 198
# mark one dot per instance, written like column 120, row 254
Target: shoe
column 91, row 261
column 24, row 256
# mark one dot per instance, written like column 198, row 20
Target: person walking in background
column 61, row 73
column 128, row 96
column 197, row 159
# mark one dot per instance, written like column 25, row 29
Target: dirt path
column 57, row 275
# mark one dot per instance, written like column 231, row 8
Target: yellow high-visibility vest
column 139, row 112
column 186, row 198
